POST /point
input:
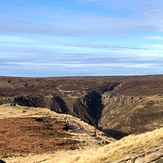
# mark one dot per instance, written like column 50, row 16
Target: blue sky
column 81, row 37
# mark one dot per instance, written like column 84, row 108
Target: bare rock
column 154, row 155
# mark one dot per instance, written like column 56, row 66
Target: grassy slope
column 22, row 134
column 138, row 117
column 108, row 153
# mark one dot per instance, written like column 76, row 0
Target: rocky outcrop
column 107, row 98
column 55, row 103
column 153, row 155
column 5, row 100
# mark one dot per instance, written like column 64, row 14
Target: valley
column 76, row 114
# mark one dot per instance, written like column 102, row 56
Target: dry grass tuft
column 125, row 146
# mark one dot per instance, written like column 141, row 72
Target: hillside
column 38, row 131
column 118, row 106
column 143, row 148
column 40, row 135
column 147, row 147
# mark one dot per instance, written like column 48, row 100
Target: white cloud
column 154, row 37
column 85, row 65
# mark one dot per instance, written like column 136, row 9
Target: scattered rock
column 154, row 155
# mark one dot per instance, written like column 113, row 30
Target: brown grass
column 106, row 154
column 32, row 135
column 33, row 131
column 125, row 146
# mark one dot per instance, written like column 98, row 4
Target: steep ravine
column 107, row 106
column 92, row 108
column 88, row 107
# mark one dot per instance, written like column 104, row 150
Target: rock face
column 89, row 107
column 153, row 155
column 54, row 103
column 117, row 105
column 107, row 99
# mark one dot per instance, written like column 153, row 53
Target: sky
column 43, row 38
